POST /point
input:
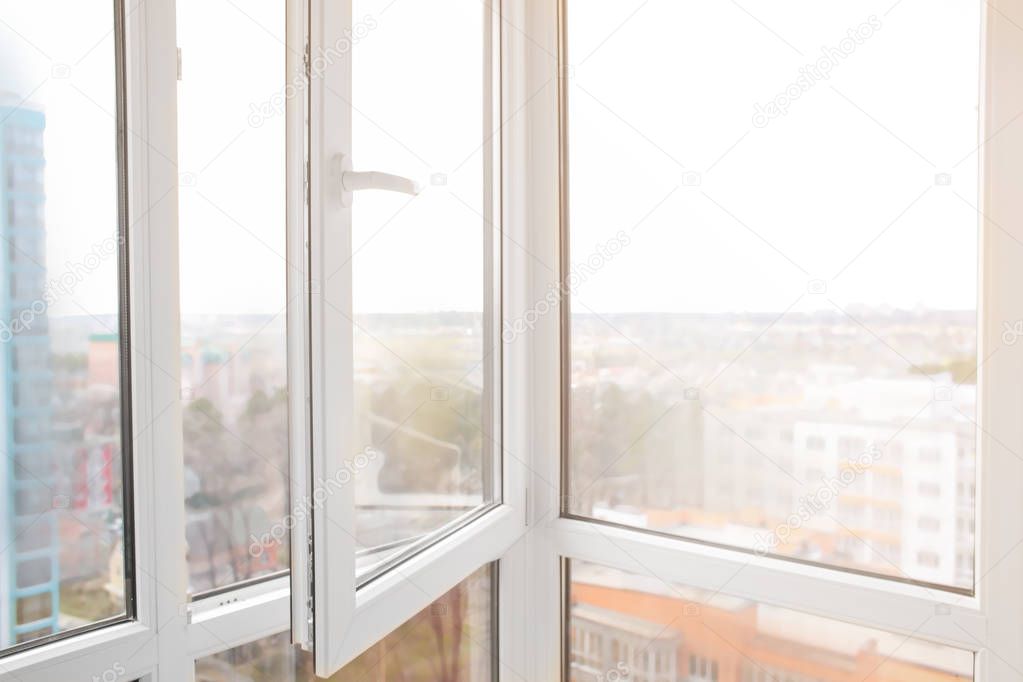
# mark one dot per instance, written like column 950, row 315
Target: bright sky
column 659, row 89
column 66, row 68
column 418, row 256
column 673, row 91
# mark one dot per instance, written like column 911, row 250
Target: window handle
column 352, row 181
column 355, row 181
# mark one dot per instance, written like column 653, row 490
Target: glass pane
column 62, row 516
column 452, row 640
column 426, row 355
column 233, row 289
column 762, row 355
column 623, row 626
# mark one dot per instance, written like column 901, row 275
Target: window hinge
column 306, row 60
column 179, row 63
column 310, row 608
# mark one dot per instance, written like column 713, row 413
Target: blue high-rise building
column 29, row 560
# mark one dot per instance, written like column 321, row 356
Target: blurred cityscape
column 61, row 527
column 451, row 640
column 419, row 459
column 637, row 628
column 235, row 434
column 812, row 439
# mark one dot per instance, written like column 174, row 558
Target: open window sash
column 338, row 609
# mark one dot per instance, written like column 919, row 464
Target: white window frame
column 138, row 649
column 990, row 623
column 348, row 618
column 171, row 633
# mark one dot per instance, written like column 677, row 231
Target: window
column 740, row 256
column 406, row 429
column 64, row 516
column 234, row 268
column 423, row 268
column 451, row 640
column 33, row 608
column 574, row 410
column 721, row 632
column 733, row 280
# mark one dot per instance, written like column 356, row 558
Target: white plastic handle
column 355, row 181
